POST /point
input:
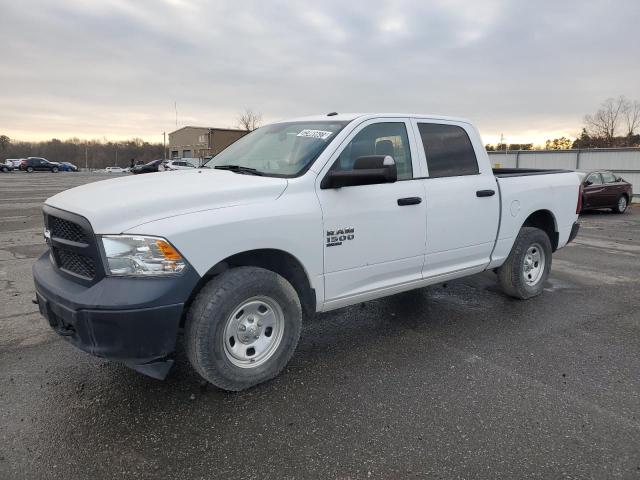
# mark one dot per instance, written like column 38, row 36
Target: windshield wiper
column 239, row 169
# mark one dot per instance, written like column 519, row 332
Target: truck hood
column 116, row 205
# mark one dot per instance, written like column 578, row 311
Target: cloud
column 115, row 67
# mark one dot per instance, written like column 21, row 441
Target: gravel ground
column 454, row 381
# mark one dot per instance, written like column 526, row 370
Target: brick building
column 201, row 142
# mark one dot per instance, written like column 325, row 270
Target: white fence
column 621, row 161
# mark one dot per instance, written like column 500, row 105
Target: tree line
column 83, row 153
column 614, row 124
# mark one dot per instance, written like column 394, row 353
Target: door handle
column 409, row 201
column 485, row 193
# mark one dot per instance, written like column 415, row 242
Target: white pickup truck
column 300, row 216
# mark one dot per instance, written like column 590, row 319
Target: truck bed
column 521, row 172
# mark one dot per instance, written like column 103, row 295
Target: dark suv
column 33, row 164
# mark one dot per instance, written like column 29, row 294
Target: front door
column 374, row 234
column 594, row 195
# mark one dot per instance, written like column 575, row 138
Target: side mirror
column 368, row 170
column 588, row 182
column 619, row 179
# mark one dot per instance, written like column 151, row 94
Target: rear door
column 594, row 195
column 374, row 234
column 462, row 198
column 612, row 189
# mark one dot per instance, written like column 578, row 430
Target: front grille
column 67, row 230
column 74, row 247
column 75, row 263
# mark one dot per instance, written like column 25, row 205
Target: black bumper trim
column 574, row 232
column 132, row 320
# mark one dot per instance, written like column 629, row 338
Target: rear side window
column 608, row 177
column 448, row 150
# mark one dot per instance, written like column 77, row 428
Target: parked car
column 13, row 162
column 68, row 167
column 178, row 165
column 114, row 170
column 297, row 217
column 604, row 189
column 152, row 166
column 7, row 166
column 39, row 164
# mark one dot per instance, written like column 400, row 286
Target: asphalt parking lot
column 454, row 381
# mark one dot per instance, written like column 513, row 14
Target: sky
column 116, row 68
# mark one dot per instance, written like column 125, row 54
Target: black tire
column 54, row 170
column 617, row 208
column 511, row 274
column 5, row 169
column 205, row 341
column 29, row 169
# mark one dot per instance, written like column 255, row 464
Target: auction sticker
column 321, row 134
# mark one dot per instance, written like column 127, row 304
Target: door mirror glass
column 367, row 170
column 588, row 182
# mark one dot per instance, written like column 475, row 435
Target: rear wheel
column 5, row 169
column 621, row 204
column 243, row 328
column 528, row 265
column 29, row 169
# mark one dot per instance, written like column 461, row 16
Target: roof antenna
column 332, row 114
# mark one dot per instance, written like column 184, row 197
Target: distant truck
column 300, row 216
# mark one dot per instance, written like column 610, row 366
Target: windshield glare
column 281, row 149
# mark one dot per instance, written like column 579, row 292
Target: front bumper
column 132, row 320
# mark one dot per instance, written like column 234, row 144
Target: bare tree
column 250, row 120
column 631, row 116
column 604, row 123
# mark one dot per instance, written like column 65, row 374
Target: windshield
column 282, row 149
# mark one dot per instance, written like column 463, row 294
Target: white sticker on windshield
column 321, row 134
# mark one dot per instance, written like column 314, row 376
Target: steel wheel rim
column 622, row 204
column 253, row 332
column 533, row 264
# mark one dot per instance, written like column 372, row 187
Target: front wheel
column 528, row 265
column 243, row 328
column 621, row 204
column 54, row 169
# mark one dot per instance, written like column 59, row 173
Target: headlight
column 140, row 255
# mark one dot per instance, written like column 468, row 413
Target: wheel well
column 545, row 221
column 277, row 261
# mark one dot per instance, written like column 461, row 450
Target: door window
column 595, row 179
column 448, row 150
column 388, row 138
column 608, row 177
